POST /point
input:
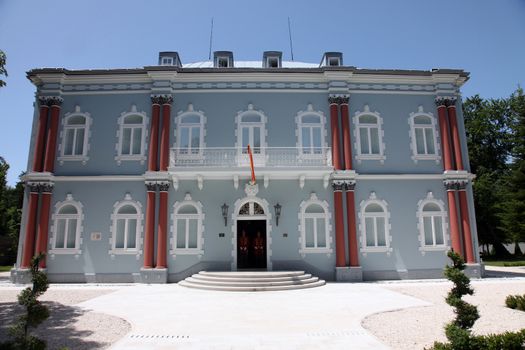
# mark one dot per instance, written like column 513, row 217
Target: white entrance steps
column 252, row 281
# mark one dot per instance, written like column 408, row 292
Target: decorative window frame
column 80, row 227
column 413, row 142
column 144, row 139
column 423, row 248
column 202, row 125
column 87, row 135
column 313, row 200
column 357, row 136
column 259, row 159
column 113, row 228
column 299, row 136
column 174, row 251
column 373, row 199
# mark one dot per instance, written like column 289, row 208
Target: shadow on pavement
column 58, row 330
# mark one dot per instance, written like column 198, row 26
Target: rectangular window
column 429, row 136
column 374, row 140
column 120, row 235
column 68, row 148
column 137, row 138
column 309, row 233
column 363, row 136
column 427, row 227
column 132, row 234
column 181, row 233
column 321, row 235
column 61, row 233
column 71, row 233
column 420, row 141
column 370, row 232
column 192, row 234
column 79, row 142
column 438, row 229
column 380, row 222
column 126, row 140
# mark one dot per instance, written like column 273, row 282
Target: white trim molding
column 434, row 143
column 73, row 130
column 325, row 215
column 134, row 127
column 384, row 214
column 79, row 217
column 138, row 216
column 369, row 127
column 199, row 217
column 441, row 216
column 259, row 159
column 189, row 152
column 314, row 152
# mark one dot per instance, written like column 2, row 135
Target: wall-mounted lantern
column 224, row 209
column 277, row 208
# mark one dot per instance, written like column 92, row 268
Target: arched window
column 132, row 136
column 126, row 227
column 251, row 131
column 315, row 227
column 310, row 132
column 187, row 227
column 374, row 225
column 423, row 135
column 75, row 135
column 432, row 224
column 67, row 227
column 369, row 135
column 190, row 132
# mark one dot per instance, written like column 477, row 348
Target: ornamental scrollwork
column 161, row 99
column 455, row 185
column 338, row 185
column 445, row 101
column 164, row 186
column 50, row 101
column 151, row 186
column 338, row 99
column 40, row 187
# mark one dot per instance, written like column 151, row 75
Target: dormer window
column 222, row 62
column 167, row 61
column 272, row 59
column 332, row 59
column 169, row 58
column 223, row 59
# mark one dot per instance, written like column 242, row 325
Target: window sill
column 436, row 248
column 65, row 251
column 187, row 252
column 379, row 157
column 82, row 159
column 121, row 159
column 125, row 252
column 431, row 157
column 316, row 251
column 367, row 250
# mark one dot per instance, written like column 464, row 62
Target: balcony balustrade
column 234, row 157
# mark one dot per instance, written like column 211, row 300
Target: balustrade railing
column 227, row 157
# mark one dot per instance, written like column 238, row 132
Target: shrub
column 516, row 302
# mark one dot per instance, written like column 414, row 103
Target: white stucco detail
column 326, row 215
column 413, row 141
column 128, row 200
column 79, row 216
column 143, row 140
column 357, row 135
column 298, row 132
column 67, row 124
column 241, row 122
column 199, row 216
column 180, row 123
column 442, row 213
column 385, row 214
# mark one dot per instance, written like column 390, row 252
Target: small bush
column 516, row 302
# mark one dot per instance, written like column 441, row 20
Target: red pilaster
column 165, row 137
column 43, row 227
column 38, row 155
column 334, row 125
column 149, row 236
column 162, row 228
column 445, row 137
column 154, row 137
column 339, row 228
column 51, row 140
column 29, row 240
column 465, row 225
column 347, row 144
column 455, row 136
column 454, row 227
column 352, row 233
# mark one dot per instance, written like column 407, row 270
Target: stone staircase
column 252, row 281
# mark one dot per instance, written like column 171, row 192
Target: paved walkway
column 171, row 316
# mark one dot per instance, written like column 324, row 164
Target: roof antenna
column 290, row 35
column 211, row 37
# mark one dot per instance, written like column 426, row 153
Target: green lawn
column 5, row 268
column 490, row 262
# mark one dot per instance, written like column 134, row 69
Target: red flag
column 251, row 165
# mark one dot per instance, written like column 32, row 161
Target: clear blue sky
column 483, row 37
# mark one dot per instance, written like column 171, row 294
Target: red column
column 165, row 136
column 454, row 227
column 455, row 135
column 347, row 145
column 339, row 226
column 29, row 240
column 445, row 136
column 149, row 236
column 40, row 138
column 154, row 136
column 51, row 141
column 334, row 125
column 465, row 224
column 43, row 227
column 162, row 227
column 351, row 229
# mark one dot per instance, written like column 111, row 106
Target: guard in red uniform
column 258, row 248
column 244, row 243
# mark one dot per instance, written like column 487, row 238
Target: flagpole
column 251, row 165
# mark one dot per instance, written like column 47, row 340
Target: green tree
column 3, row 70
column 490, row 142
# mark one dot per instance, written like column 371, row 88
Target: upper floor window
column 190, row 131
column 423, row 135
column 187, row 227
column 431, row 223
column 311, row 132
column 369, row 135
column 67, row 227
column 314, row 225
column 374, row 225
column 126, row 227
column 75, row 136
column 132, row 135
column 167, row 61
column 251, row 131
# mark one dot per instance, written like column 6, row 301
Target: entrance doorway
column 251, row 244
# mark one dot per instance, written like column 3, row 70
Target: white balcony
column 263, row 157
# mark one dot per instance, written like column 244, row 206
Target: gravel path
column 419, row 327
column 68, row 324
